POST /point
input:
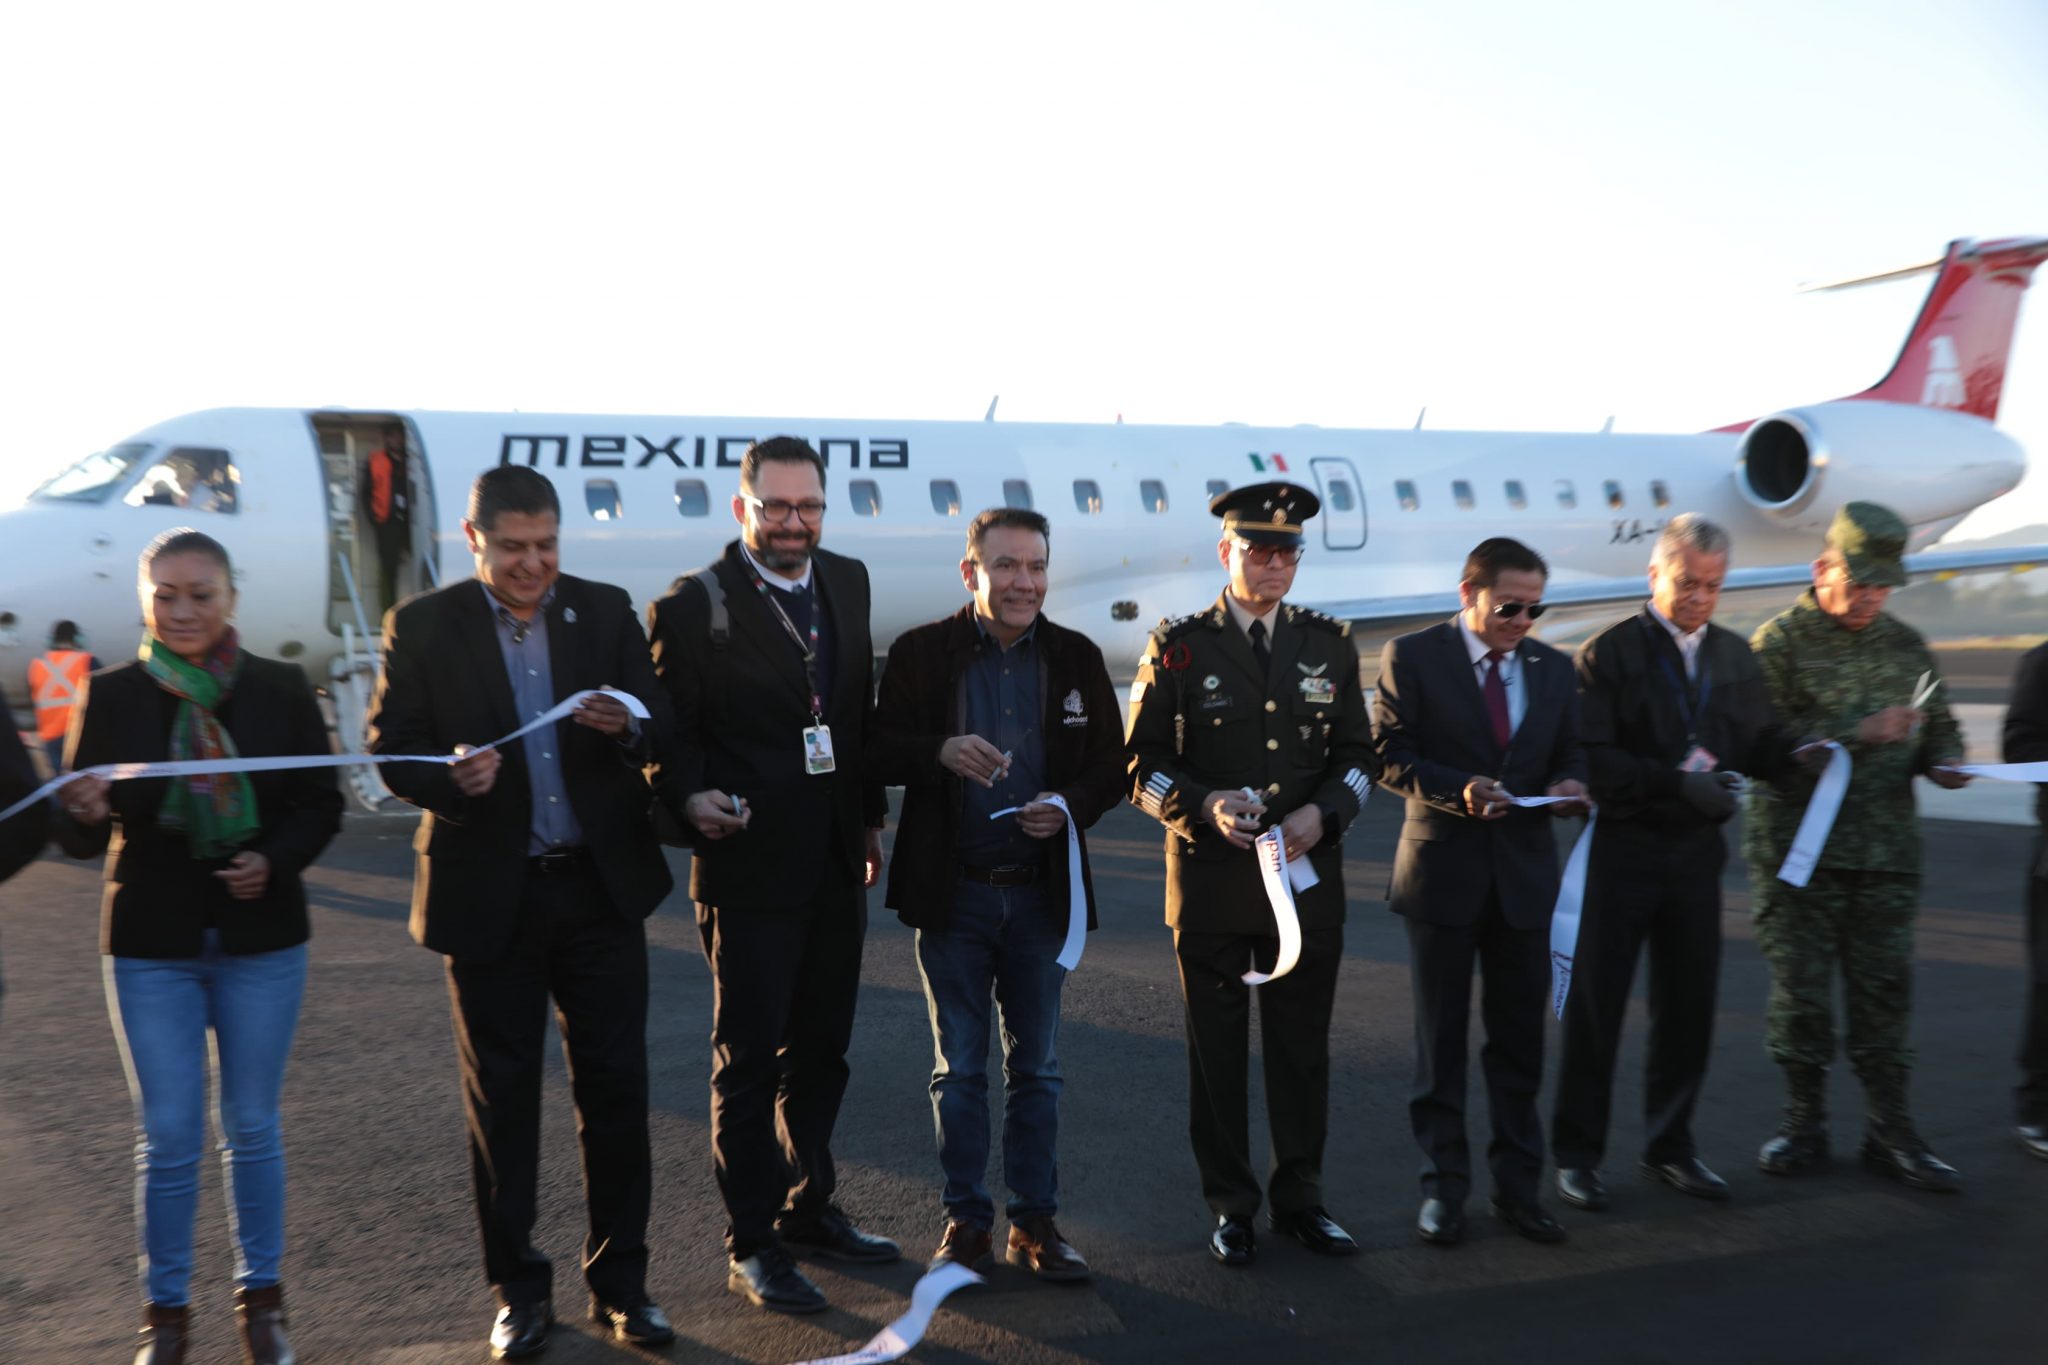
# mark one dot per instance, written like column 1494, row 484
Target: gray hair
column 1688, row 531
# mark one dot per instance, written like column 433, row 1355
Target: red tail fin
column 1955, row 356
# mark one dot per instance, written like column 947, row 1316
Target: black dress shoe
column 1529, row 1220
column 1314, row 1229
column 642, row 1323
column 1907, row 1160
column 1233, row 1243
column 2033, row 1139
column 1687, row 1175
column 1581, row 1187
column 522, row 1329
column 770, row 1279
column 1441, row 1222
column 1793, row 1152
column 829, row 1232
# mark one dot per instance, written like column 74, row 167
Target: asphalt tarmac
column 383, row 1267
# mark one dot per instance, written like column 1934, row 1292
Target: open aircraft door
column 1343, row 514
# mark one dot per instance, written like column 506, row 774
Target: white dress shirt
column 1510, row 673
column 1688, row 642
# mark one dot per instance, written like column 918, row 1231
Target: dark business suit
column 516, row 930
column 781, row 906
column 21, row 838
column 2026, row 741
column 1475, row 889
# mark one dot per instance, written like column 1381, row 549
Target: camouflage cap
column 1871, row 539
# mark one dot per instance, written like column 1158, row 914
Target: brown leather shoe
column 262, row 1315
column 965, row 1244
column 163, row 1336
column 1037, row 1245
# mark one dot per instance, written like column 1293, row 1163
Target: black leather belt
column 558, row 860
column 999, row 876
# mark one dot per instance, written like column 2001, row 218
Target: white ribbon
column 1571, row 901
column 900, row 1337
column 1077, row 889
column 1272, row 856
column 201, row 767
column 2002, row 772
column 1819, row 820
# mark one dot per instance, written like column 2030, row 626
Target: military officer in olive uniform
column 1839, row 667
column 1249, row 716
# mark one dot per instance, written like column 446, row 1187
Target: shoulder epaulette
column 1309, row 616
column 1171, row 628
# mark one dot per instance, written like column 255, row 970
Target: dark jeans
column 1663, row 889
column 572, row 944
column 1003, row 941
column 1294, row 1029
column 2031, row 1097
column 781, row 1019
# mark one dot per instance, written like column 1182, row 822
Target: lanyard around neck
column 809, row 648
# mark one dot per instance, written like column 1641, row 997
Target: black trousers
column 1294, row 1035
column 572, row 944
column 782, row 1018
column 1662, row 889
column 2031, row 1097
column 1514, row 966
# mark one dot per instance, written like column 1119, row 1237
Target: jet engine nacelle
column 1796, row 467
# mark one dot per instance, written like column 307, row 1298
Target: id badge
column 818, row 749
column 1698, row 760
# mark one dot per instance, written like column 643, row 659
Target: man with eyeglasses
column 1469, row 715
column 766, row 657
column 1248, row 716
column 1671, row 709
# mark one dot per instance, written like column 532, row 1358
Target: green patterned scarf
column 216, row 812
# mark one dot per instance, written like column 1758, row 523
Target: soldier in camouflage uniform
column 1838, row 667
column 1249, row 716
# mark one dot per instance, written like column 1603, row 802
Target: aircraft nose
column 58, row 563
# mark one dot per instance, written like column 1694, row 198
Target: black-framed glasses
column 1508, row 611
column 1269, row 554
column 775, row 510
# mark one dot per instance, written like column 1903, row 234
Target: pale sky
column 1521, row 216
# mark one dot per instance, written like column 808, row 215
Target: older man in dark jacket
column 986, row 717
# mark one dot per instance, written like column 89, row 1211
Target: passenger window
column 601, row 496
column 1517, row 499
column 1088, row 497
column 198, row 480
column 1567, row 496
column 1461, row 493
column 1659, row 493
column 1152, row 493
column 1613, row 491
column 1341, row 499
column 866, row 496
column 1404, row 493
column 1017, row 493
column 1218, row 487
column 692, row 498
column 946, row 497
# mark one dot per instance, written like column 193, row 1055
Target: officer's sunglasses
column 1508, row 611
column 1267, row 554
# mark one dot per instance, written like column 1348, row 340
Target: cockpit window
column 94, row 478
column 194, row 478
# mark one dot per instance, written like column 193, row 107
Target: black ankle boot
column 262, row 1315
column 163, row 1335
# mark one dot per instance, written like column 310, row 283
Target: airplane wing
column 1375, row 619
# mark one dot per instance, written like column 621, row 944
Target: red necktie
column 1497, row 700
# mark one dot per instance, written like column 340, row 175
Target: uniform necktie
column 1259, row 650
column 1497, row 699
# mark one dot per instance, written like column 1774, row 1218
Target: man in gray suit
column 1469, row 714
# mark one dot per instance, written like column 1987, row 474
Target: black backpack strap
column 706, row 578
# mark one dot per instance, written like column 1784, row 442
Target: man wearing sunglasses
column 766, row 657
column 1468, row 715
column 1248, row 717
column 1671, row 709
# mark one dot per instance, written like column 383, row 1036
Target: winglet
column 990, row 415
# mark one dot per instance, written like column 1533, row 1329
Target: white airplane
column 645, row 498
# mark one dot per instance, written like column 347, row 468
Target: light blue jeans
column 162, row 1009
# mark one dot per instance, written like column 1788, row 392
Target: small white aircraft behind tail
column 645, row 498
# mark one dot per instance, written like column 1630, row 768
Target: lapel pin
column 569, row 615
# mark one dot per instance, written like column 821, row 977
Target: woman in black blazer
column 204, row 916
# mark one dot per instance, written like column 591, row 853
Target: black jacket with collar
column 922, row 705
column 742, row 706
column 23, row 837
column 445, row 684
column 159, row 899
column 1433, row 734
